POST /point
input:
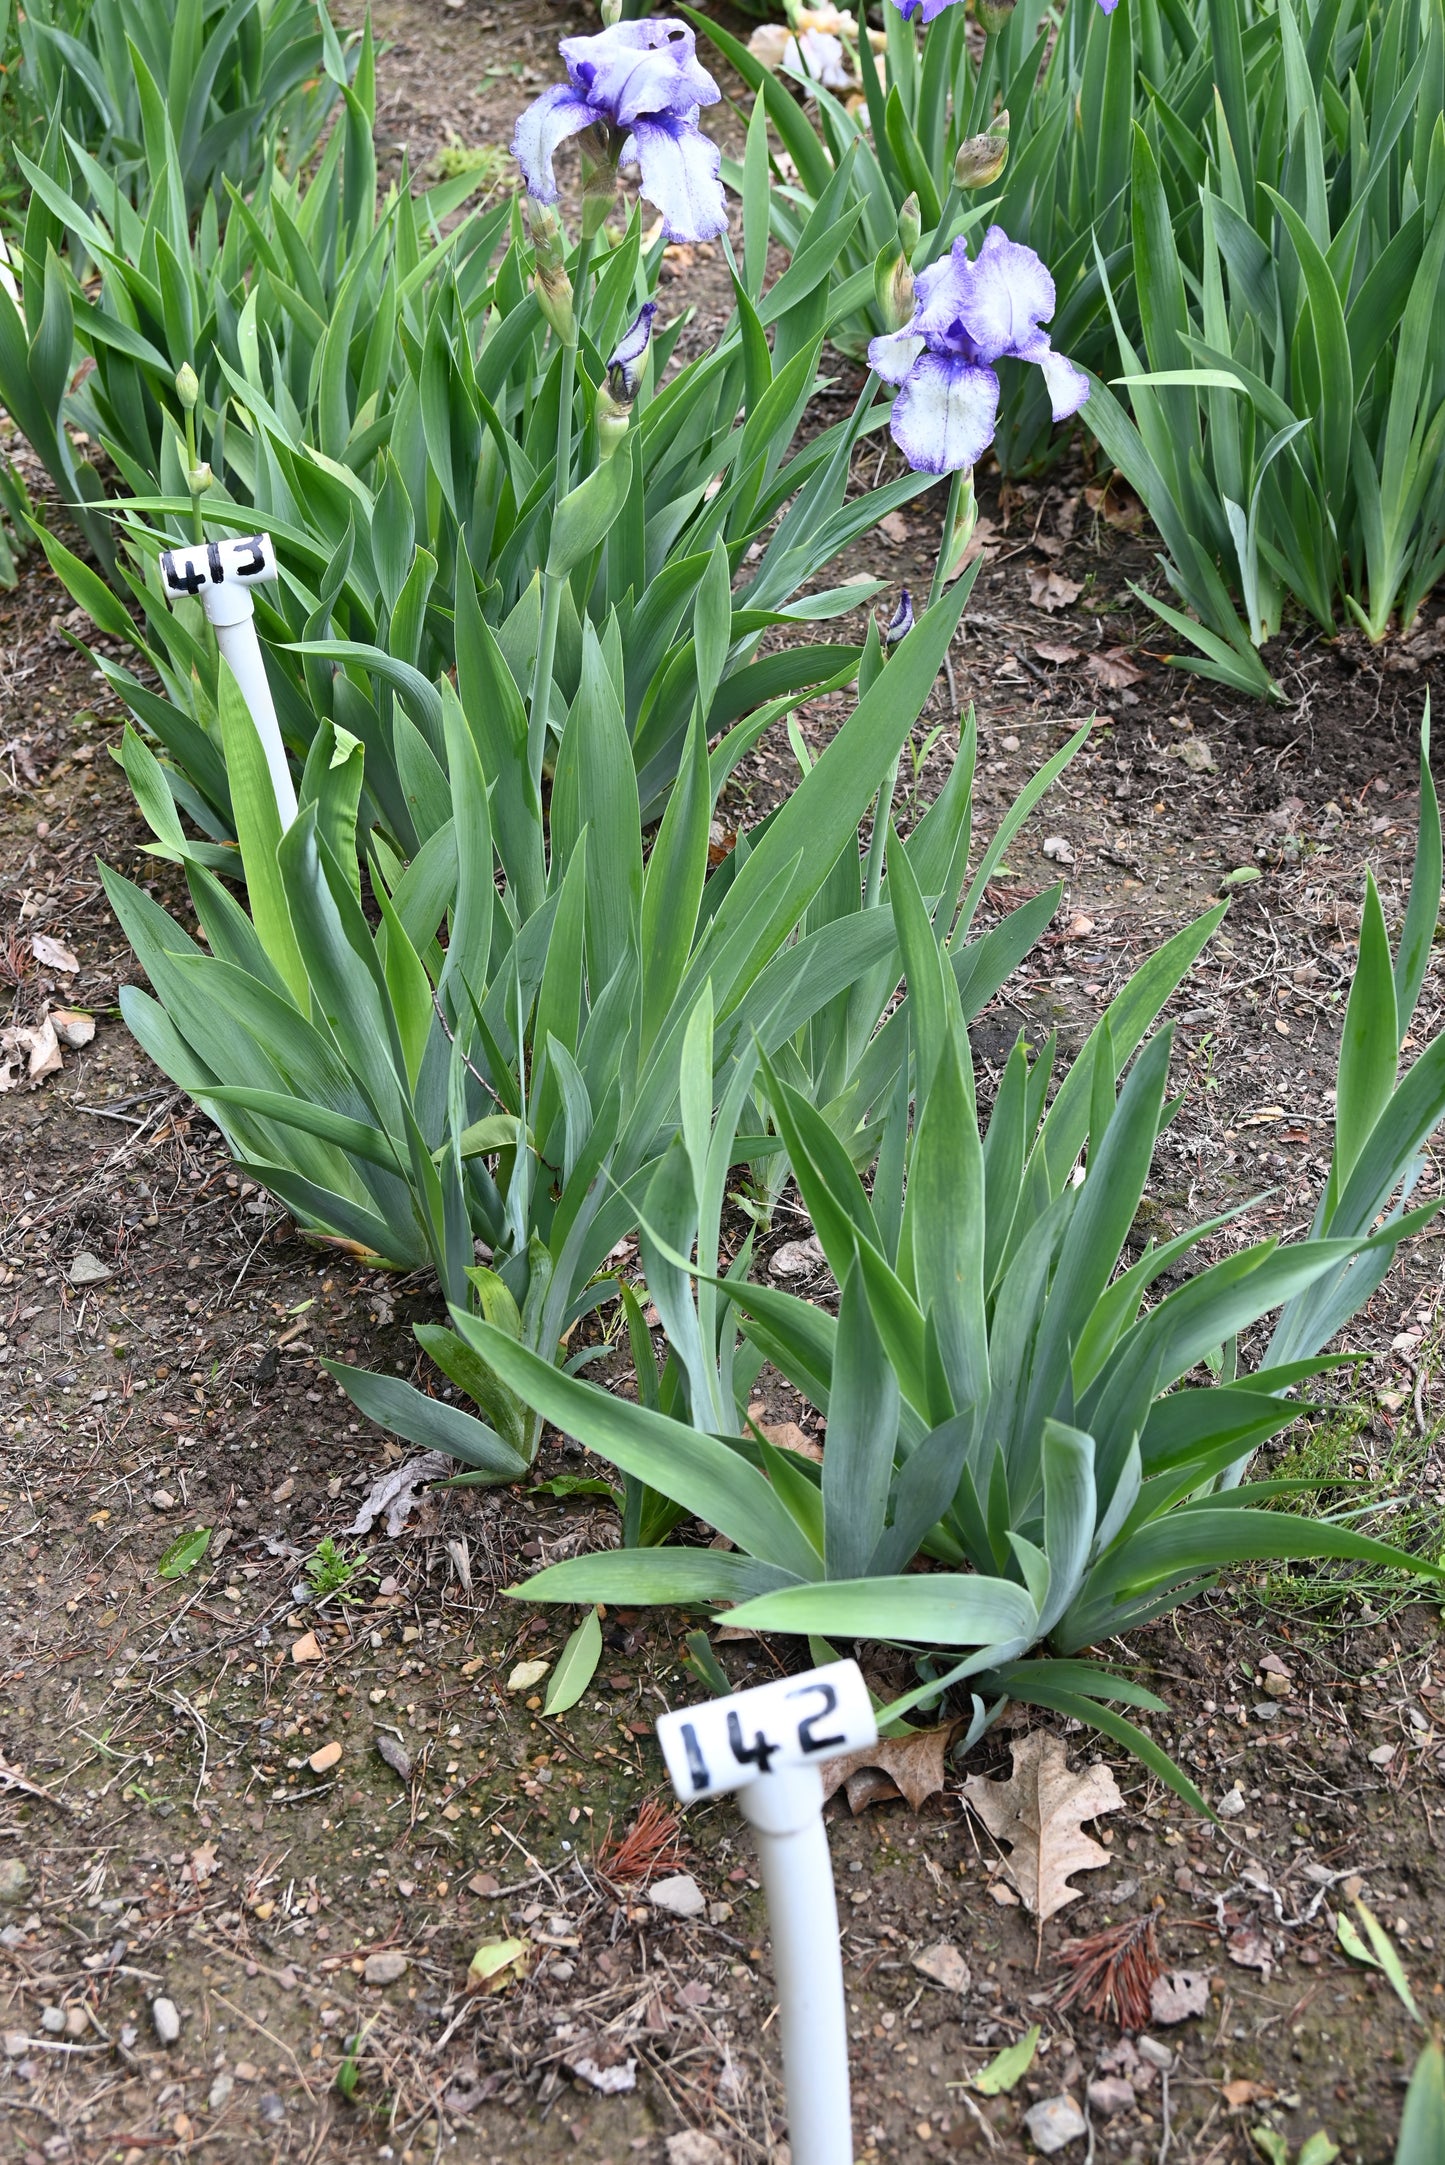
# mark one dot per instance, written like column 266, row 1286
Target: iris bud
column 910, row 226
column 982, row 158
column 993, row 15
column 188, row 388
column 199, row 479
column 611, row 12
column 900, row 624
column 550, row 282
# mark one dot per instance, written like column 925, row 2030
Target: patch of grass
column 492, row 167
column 1376, row 1476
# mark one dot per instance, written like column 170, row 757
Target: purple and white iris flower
column 638, row 87
column 970, row 312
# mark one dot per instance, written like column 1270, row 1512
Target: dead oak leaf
column 53, row 954
column 1055, row 650
column 907, row 1766
column 1039, row 1811
column 1049, row 589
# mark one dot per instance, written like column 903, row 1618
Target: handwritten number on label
column 255, row 562
column 807, row 1737
column 185, row 580
column 760, row 1753
column 696, row 1764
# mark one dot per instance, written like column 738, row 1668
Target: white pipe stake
column 221, row 572
column 768, row 1744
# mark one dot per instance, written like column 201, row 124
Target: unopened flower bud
column 625, row 368
column 910, row 226
column 199, row 478
column 900, row 624
column 611, row 12
column 550, row 282
column 982, row 158
column 993, row 15
column 893, row 287
column 613, row 422
column 188, row 387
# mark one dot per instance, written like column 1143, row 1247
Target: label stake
column 768, row 1745
column 222, row 572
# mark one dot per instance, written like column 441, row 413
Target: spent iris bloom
column 970, row 312
column 637, row 87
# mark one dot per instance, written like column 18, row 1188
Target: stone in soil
column 166, row 2020
column 385, row 1968
column 14, row 1879
column 1054, row 2123
column 679, row 1897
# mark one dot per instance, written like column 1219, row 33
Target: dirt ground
column 163, row 1836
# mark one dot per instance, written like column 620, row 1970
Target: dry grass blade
column 1113, row 1972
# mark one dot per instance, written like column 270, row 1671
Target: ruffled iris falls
column 639, row 86
column 970, row 312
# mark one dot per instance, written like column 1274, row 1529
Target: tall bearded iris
column 970, row 312
column 636, row 88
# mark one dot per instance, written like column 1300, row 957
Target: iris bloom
column 969, row 313
column 638, row 87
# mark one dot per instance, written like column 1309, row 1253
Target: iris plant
column 993, row 14
column 633, row 93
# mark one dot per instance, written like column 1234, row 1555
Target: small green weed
column 331, row 1571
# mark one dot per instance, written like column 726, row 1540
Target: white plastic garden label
column 221, row 573
column 768, row 1745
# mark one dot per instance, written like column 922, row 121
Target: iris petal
column 632, row 69
column 1009, row 294
column 1068, row 387
column 943, row 418
column 680, row 169
column 554, row 116
column 893, row 355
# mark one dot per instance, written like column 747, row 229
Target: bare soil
column 162, row 1834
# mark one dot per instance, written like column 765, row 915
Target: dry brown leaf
column 1237, row 2095
column 1178, row 1996
column 1039, row 1811
column 37, row 1048
column 894, row 527
column 1050, row 590
column 1054, row 650
column 1117, row 505
column 1113, row 669
column 944, row 1965
column 912, row 1767
column 1252, row 1951
column 54, row 954
column 787, row 1436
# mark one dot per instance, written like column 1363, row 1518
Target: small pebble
column 220, row 2090
column 680, row 1896
column 14, row 1879
column 1109, row 2095
column 52, row 2019
column 322, row 1761
column 167, row 2020
column 1054, row 2123
column 77, row 2022
column 385, row 1968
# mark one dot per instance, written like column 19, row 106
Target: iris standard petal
column 647, row 67
column 943, row 290
column 1009, row 294
column 680, row 169
column 892, row 356
column 943, row 418
column 554, row 116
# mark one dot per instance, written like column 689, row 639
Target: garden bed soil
column 163, row 1835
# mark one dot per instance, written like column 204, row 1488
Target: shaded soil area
column 178, row 1831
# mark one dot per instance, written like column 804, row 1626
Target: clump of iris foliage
column 492, row 1000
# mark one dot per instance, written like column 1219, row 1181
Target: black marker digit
column 255, row 562
column 807, row 1741
column 213, row 558
column 182, row 576
column 760, row 1753
column 696, row 1764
